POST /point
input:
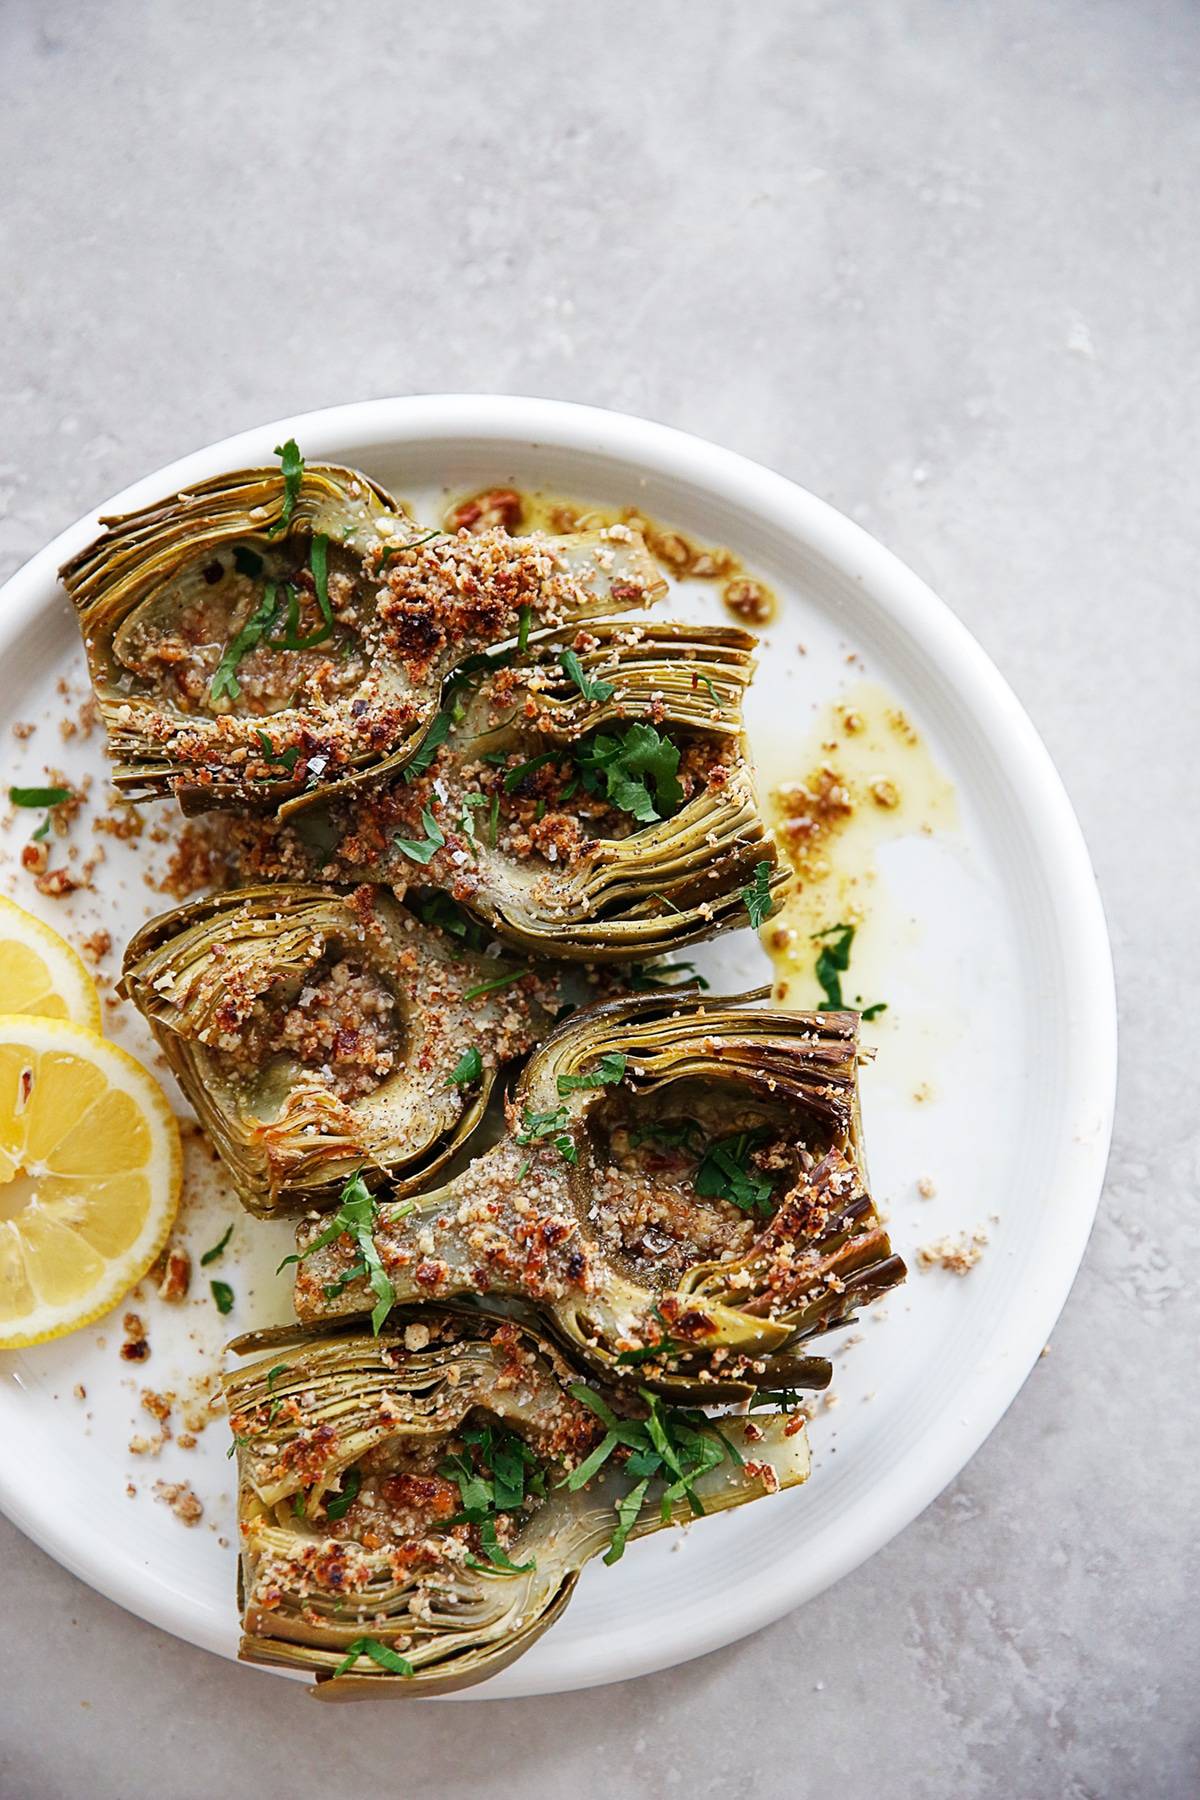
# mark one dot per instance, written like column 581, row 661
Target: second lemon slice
column 90, row 1171
column 40, row 973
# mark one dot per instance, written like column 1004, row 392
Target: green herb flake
column 210, row 1256
column 431, row 743
column 832, row 963
column 467, row 1070
column 524, row 621
column 495, row 1473
column 492, row 987
column 378, row 1653
column 543, row 1127
column 340, row 1505
column 293, row 473
column 873, row 1012
column 726, row 1173
column 224, row 684
column 589, row 686
column 38, row 796
column 423, row 850
column 355, row 1218
column 286, row 759
column 757, row 896
column 222, row 1293
column 609, row 1072
column 636, row 771
column 674, row 1445
column 318, row 562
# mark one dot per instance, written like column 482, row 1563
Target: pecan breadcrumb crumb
column 958, row 1255
column 182, row 1501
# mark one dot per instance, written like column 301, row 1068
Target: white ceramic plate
column 1001, row 1006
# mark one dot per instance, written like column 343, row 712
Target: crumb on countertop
column 926, row 1188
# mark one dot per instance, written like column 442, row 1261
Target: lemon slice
column 40, row 973
column 90, row 1171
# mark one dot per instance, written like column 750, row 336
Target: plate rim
column 920, row 614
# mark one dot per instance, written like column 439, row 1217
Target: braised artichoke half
column 680, row 1192
column 318, row 1033
column 273, row 633
column 587, row 795
column 415, row 1508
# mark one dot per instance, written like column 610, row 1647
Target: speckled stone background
column 936, row 261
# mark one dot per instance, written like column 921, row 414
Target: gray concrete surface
column 936, row 261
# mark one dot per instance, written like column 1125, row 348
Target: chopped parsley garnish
column 222, row 1293
column 540, row 1127
column 274, row 1374
column 609, row 1071
column 247, row 562
column 332, row 1290
column 673, row 1444
column 225, row 684
column 440, row 910
column 293, row 472
column 340, row 1505
column 412, row 544
column 467, row 817
column 636, row 771
column 378, row 1653
column 422, row 850
column 491, row 987
column 524, row 621
column 355, row 1218
column 651, row 977
column 832, row 963
column 429, row 746
column 588, row 685
column 287, row 759
column 38, row 796
column 713, row 690
column 758, row 895
column 468, row 1069
column 873, row 1012
column 210, row 1256
column 726, row 1173
column 495, row 1474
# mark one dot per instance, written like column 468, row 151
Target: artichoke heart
column 318, row 1033
column 415, row 1508
column 271, row 634
column 681, row 1192
column 589, row 795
